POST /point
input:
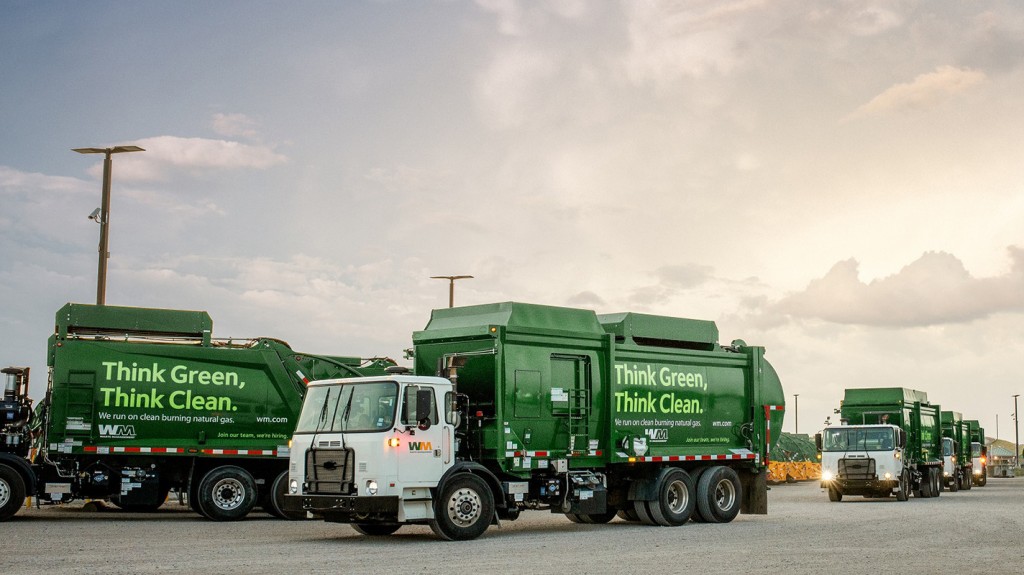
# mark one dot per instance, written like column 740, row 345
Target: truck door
column 427, row 453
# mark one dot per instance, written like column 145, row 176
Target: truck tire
column 954, row 483
column 965, row 481
column 142, row 507
column 926, row 484
column 628, row 514
column 982, row 479
column 642, row 512
column 676, row 499
column 275, row 500
column 464, row 509
column 12, row 492
column 904, row 493
column 376, row 529
column 834, row 495
column 226, row 493
column 592, row 518
column 936, row 482
column 719, row 495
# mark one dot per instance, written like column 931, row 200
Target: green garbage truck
column 957, row 465
column 516, row 407
column 143, row 401
column 979, row 453
column 889, row 442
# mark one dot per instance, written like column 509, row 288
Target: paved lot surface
column 977, row 531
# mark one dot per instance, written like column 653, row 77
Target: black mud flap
column 755, row 493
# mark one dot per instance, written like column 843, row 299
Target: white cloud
column 935, row 289
column 164, row 153
column 235, row 125
column 16, row 181
column 925, row 91
column 510, row 89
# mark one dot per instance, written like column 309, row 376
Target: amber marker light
column 393, row 442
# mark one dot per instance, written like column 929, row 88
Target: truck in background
column 979, row 453
column 142, row 401
column 521, row 407
column 957, row 464
column 889, row 442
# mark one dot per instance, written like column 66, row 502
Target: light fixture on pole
column 796, row 413
column 101, row 215
column 451, row 286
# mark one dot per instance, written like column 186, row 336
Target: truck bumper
column 861, row 486
column 341, row 505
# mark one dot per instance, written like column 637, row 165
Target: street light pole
column 1016, row 434
column 796, row 413
column 103, row 217
column 451, row 286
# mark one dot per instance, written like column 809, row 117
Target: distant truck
column 142, row 401
column 957, row 465
column 889, row 442
column 979, row 453
column 521, row 407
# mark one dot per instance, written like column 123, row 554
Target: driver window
column 409, row 415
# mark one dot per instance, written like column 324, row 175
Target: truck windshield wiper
column 348, row 407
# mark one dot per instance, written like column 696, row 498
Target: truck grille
column 330, row 471
column 857, row 469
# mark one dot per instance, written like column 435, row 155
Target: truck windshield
column 351, row 407
column 947, row 447
column 975, row 449
column 860, row 439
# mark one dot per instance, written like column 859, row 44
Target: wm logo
column 117, row 430
column 657, row 434
column 420, row 446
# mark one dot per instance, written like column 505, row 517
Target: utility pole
column 102, row 215
column 1016, row 434
column 451, row 286
column 796, row 413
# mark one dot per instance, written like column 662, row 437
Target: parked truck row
column 893, row 441
column 142, row 401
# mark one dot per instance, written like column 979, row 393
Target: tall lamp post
column 451, row 286
column 796, row 413
column 102, row 215
column 1016, row 434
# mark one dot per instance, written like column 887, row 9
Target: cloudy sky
column 840, row 182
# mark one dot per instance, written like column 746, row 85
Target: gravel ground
column 977, row 531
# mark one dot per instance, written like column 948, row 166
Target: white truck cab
column 863, row 460
column 369, row 451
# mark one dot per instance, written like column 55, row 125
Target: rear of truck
column 142, row 401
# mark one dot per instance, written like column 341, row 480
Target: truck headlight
column 293, row 486
column 888, row 476
column 371, row 487
column 826, row 475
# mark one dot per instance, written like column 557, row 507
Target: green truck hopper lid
column 643, row 329
column 76, row 318
column 515, row 317
column 950, row 417
column 884, row 396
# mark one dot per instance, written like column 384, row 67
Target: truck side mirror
column 817, row 441
column 902, row 439
column 424, row 404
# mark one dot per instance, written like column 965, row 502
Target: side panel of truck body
column 906, row 408
column 555, row 383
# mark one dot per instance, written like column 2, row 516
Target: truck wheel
column 676, row 499
column 982, row 479
column 834, row 495
column 954, row 483
column 227, row 493
column 904, row 493
column 965, row 481
column 376, row 529
column 936, row 482
column 142, row 507
column 926, row 484
column 628, row 514
column 596, row 518
column 12, row 492
column 275, row 500
column 464, row 509
column 718, row 495
column 642, row 512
